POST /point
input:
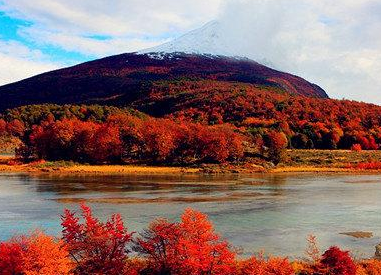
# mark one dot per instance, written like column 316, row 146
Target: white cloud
column 117, row 17
column 333, row 43
column 19, row 62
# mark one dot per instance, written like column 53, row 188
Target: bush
column 356, row 147
column 96, row 247
column 260, row 266
column 188, row 247
column 337, row 262
column 37, row 254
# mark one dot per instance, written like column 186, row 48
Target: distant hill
column 133, row 80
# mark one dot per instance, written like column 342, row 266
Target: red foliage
column 276, row 143
column 16, row 128
column 96, row 247
column 3, row 127
column 375, row 165
column 124, row 136
column 188, row 247
column 104, row 144
column 72, row 139
column 356, row 147
column 11, row 255
column 337, row 262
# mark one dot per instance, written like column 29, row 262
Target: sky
column 336, row 44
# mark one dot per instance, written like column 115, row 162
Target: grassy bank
column 295, row 161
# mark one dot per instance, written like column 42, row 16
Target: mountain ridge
column 121, row 80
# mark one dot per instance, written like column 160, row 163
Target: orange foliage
column 37, row 254
column 260, row 266
column 369, row 267
column 46, row 256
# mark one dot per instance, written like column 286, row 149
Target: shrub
column 37, row 254
column 356, row 147
column 96, row 247
column 337, row 262
column 188, row 247
column 369, row 267
column 260, row 266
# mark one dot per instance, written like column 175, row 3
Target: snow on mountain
column 209, row 40
column 205, row 40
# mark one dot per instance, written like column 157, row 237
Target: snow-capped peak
column 205, row 40
column 209, row 41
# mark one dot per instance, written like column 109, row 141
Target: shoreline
column 170, row 170
column 296, row 161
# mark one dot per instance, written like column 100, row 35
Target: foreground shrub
column 260, row 266
column 337, row 262
column 369, row 267
column 37, row 254
column 11, row 255
column 96, row 247
column 188, row 247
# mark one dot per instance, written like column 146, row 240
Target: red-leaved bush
column 188, row 247
column 337, row 262
column 96, row 247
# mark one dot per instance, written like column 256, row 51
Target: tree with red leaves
column 276, row 143
column 188, row 247
column 11, row 255
column 96, row 247
column 3, row 127
column 337, row 262
column 104, row 145
column 16, row 128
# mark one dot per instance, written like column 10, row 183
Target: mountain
column 132, row 79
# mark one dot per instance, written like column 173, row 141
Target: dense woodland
column 190, row 246
column 228, row 128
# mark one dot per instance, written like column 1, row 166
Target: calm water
column 274, row 213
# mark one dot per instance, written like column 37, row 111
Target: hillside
column 131, row 80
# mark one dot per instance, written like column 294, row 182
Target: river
column 270, row 213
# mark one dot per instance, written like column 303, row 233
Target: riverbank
column 295, row 161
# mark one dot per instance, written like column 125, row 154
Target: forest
column 188, row 246
column 226, row 130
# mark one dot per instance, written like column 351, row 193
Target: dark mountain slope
column 130, row 79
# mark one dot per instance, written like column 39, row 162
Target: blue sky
column 335, row 44
column 9, row 31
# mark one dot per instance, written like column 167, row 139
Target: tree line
column 103, row 134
